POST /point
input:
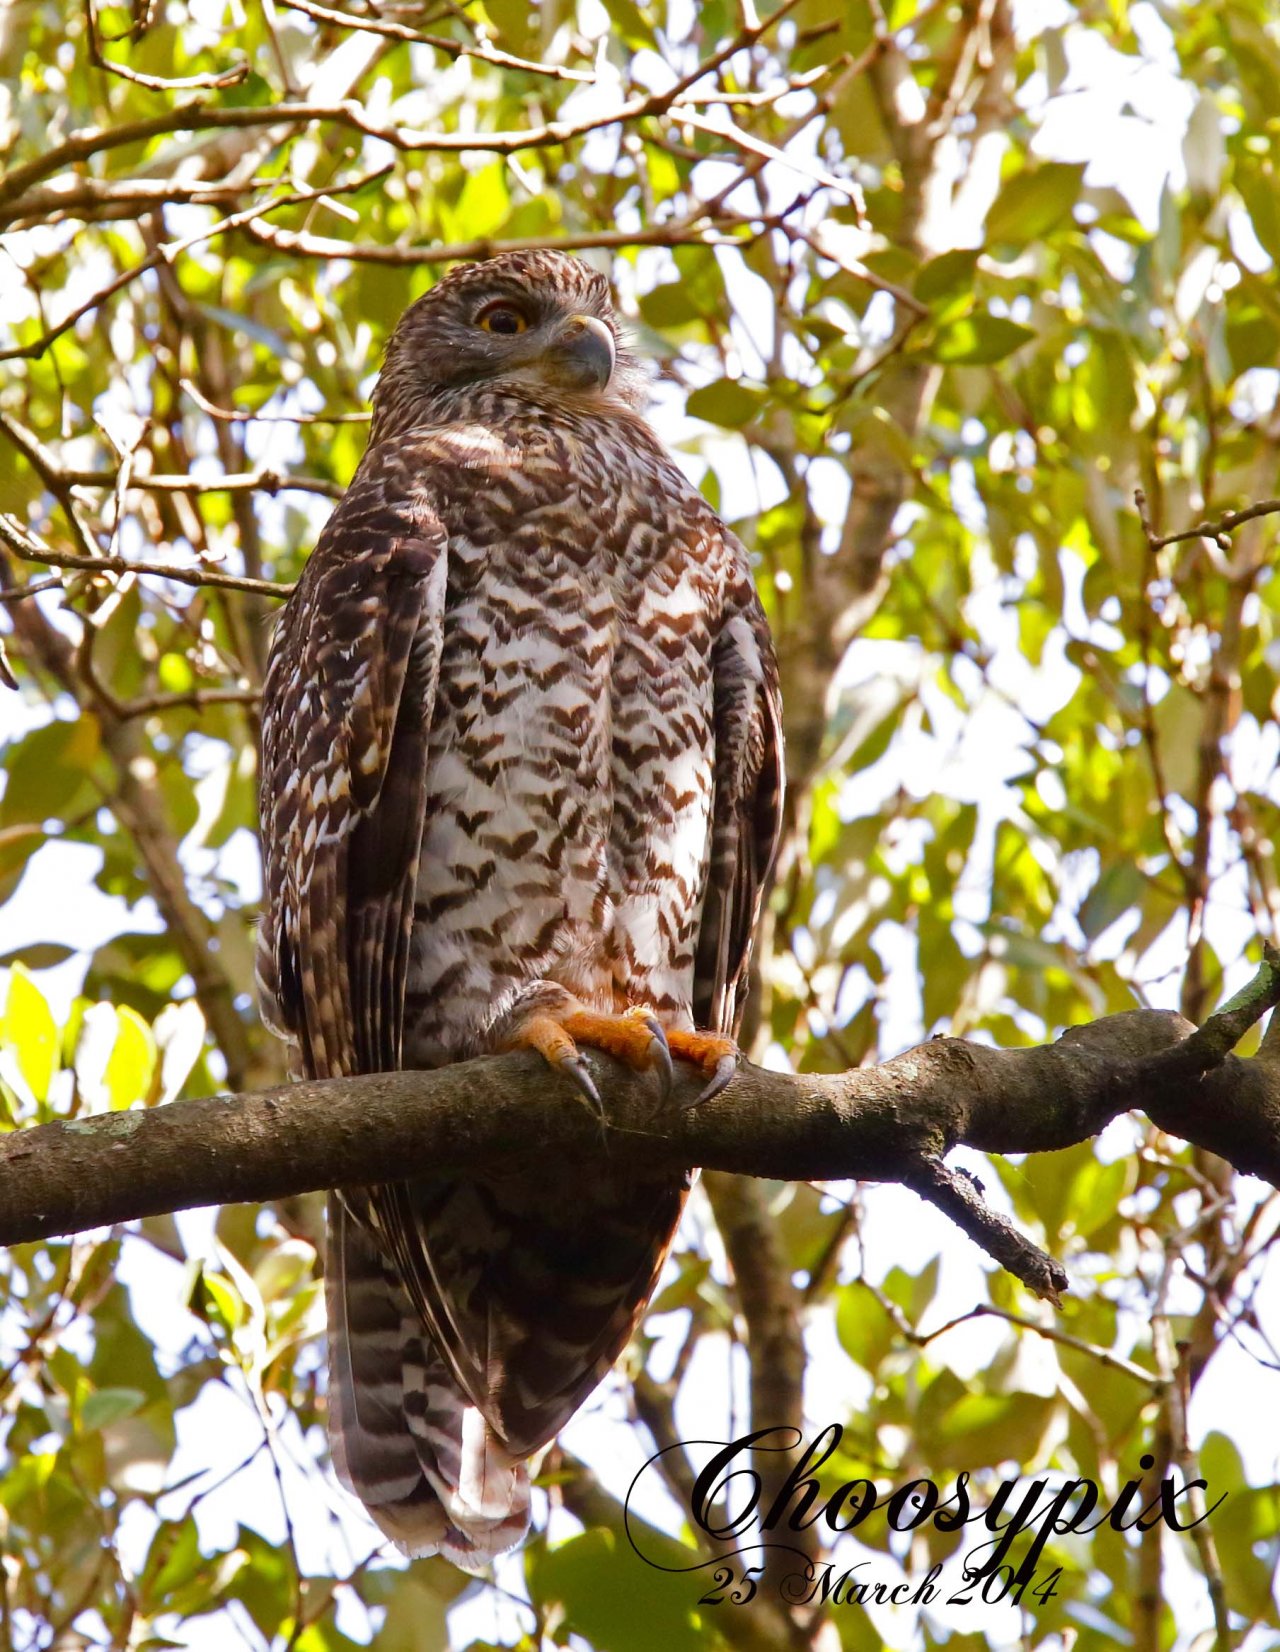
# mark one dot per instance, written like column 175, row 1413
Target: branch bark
column 503, row 1114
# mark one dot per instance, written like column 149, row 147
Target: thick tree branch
column 771, row 1306
column 887, row 1123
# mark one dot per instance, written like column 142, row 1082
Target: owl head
column 540, row 324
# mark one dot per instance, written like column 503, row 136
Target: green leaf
column 416, row 1600
column 633, row 24
column 670, row 305
column 132, row 1061
column 48, row 771
column 236, row 322
column 990, row 1428
column 979, row 340
column 617, row 1602
column 727, row 402
column 1119, row 888
column 39, row 955
column 222, row 1302
column 26, row 1480
column 867, row 1333
column 484, row 202
column 175, row 673
column 1033, row 202
column 17, row 845
column 416, row 1618
column 1096, row 1193
column 31, row 1033
column 1259, row 190
column 110, row 1405
column 946, row 275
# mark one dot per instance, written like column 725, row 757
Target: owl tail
column 404, row 1438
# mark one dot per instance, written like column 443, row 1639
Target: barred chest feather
column 570, row 774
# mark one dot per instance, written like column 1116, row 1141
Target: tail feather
column 404, row 1439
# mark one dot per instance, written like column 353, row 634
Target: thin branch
column 729, row 133
column 255, row 481
column 32, row 549
column 134, row 795
column 988, row 1310
column 194, row 698
column 46, row 467
column 860, row 272
column 90, row 198
column 216, row 81
column 1219, row 531
column 959, row 1196
column 701, row 230
column 32, row 588
column 773, row 1310
column 233, row 415
column 440, row 43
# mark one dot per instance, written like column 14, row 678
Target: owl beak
column 582, row 355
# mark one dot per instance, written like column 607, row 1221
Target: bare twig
column 988, row 1310
column 72, row 196
column 33, row 588
column 254, row 481
column 46, row 467
column 959, row 1196
column 32, row 549
column 1219, row 531
column 699, row 231
column 233, row 415
column 216, row 81
column 440, row 43
column 729, row 133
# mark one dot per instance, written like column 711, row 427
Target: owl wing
column 346, row 710
column 746, row 819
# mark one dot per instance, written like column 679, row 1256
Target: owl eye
column 501, row 318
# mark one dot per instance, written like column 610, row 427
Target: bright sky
column 1126, row 117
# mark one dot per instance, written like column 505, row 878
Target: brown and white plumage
column 521, row 769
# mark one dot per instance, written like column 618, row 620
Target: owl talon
column 574, row 1069
column 718, row 1058
column 550, row 1038
column 636, row 1037
column 660, row 1057
column 726, row 1067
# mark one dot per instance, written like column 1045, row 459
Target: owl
column 521, row 782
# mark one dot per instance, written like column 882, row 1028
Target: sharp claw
column 575, row 1069
column 726, row 1067
column 660, row 1055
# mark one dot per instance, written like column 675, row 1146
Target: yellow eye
column 502, row 318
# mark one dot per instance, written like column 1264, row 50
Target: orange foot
column 718, row 1058
column 635, row 1037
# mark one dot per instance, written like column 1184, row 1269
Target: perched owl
column 521, row 782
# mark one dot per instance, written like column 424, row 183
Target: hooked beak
column 581, row 356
